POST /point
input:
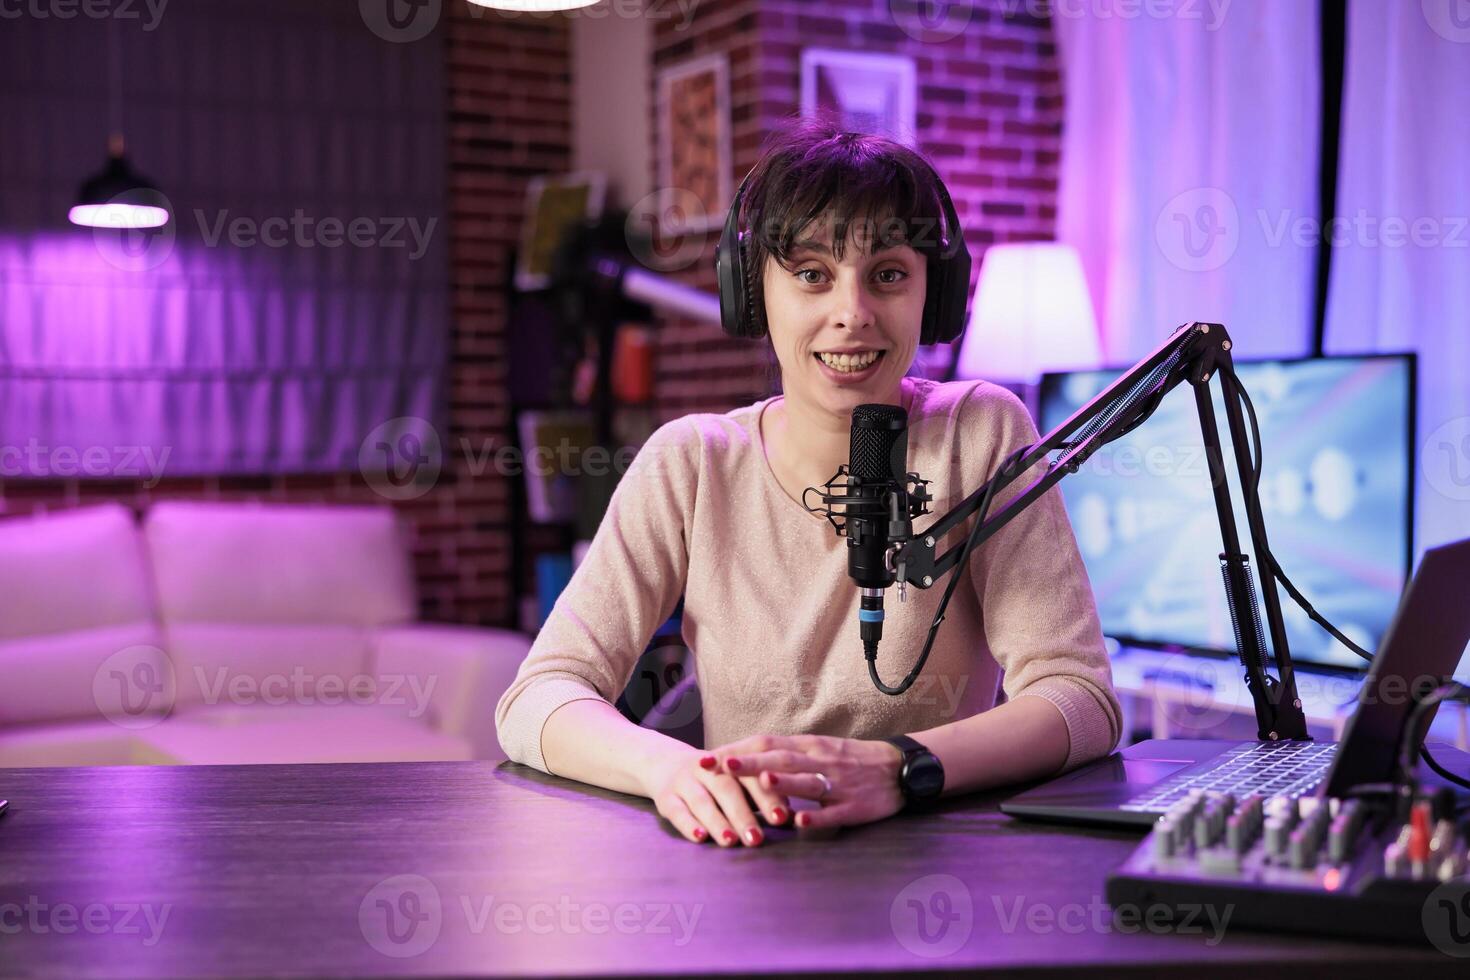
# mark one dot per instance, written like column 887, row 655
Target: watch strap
column 910, row 748
column 905, row 744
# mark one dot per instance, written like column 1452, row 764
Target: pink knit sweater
column 770, row 613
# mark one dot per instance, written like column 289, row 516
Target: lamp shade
column 1031, row 314
column 119, row 198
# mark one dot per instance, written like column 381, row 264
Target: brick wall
column 508, row 104
column 989, row 115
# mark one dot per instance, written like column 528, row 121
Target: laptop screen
column 1336, row 494
column 1424, row 642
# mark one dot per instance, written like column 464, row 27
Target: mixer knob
column 1276, row 831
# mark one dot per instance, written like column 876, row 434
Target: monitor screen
column 1336, row 496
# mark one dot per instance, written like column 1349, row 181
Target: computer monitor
column 1336, row 496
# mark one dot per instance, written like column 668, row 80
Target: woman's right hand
column 706, row 805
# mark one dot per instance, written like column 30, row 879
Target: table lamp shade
column 1031, row 314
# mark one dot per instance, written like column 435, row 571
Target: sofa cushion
column 242, row 663
column 235, row 735
column 72, row 570
column 299, row 733
column 279, row 563
column 116, row 673
column 74, row 743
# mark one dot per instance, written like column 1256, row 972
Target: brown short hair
column 871, row 187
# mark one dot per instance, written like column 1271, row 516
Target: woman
column 842, row 234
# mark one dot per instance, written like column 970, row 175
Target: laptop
column 1423, row 644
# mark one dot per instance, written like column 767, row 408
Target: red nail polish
column 774, row 780
column 753, row 836
column 699, row 833
column 729, row 836
column 778, row 815
column 803, row 820
column 708, row 762
column 734, row 765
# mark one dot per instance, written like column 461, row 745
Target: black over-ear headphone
column 742, row 313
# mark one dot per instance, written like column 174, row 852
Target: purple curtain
column 297, row 300
column 1189, row 155
column 1401, row 266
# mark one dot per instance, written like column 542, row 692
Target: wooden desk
column 290, row 870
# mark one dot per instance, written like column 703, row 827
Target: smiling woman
column 847, row 257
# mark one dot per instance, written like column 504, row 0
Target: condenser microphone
column 877, row 459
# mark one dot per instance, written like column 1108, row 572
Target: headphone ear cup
column 755, row 308
column 934, row 290
column 729, row 271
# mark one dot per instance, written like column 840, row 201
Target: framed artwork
column 552, row 205
column 868, row 93
column 694, row 139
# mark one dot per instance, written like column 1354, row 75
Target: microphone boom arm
column 1195, row 353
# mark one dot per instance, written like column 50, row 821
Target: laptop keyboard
column 1269, row 768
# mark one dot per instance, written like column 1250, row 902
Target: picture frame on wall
column 694, row 142
column 553, row 204
column 867, row 93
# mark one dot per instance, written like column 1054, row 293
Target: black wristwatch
column 921, row 777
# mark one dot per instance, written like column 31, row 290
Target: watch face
column 925, row 777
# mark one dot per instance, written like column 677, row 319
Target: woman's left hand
column 863, row 774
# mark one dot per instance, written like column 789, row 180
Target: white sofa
column 233, row 633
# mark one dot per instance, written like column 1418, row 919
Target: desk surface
column 474, row 868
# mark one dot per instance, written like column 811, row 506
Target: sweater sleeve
column 626, row 586
column 1037, row 606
